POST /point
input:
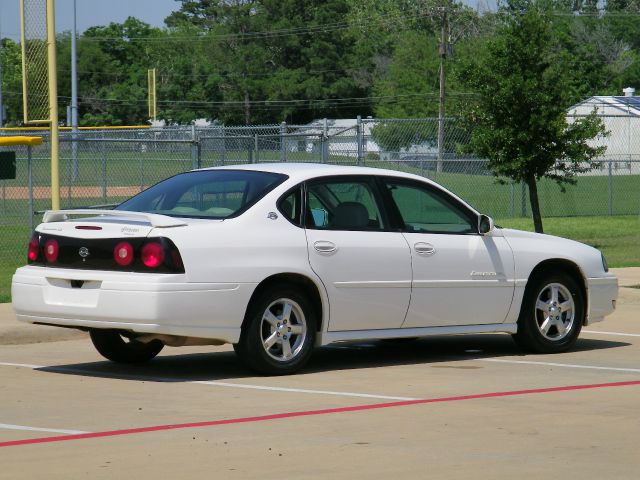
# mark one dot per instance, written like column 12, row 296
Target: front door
column 459, row 276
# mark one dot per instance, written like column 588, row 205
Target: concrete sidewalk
column 627, row 276
column 13, row 332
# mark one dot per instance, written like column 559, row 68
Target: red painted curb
column 279, row 416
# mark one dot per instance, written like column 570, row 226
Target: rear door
column 365, row 267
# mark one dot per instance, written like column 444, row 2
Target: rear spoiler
column 159, row 221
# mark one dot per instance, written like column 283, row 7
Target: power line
column 207, row 75
column 322, row 28
column 269, row 105
column 336, row 100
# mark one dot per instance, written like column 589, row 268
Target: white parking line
column 564, row 365
column 205, row 382
column 302, row 390
column 8, row 426
column 618, row 334
column 23, row 365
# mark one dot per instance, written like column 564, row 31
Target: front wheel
column 118, row 348
column 552, row 314
column 278, row 333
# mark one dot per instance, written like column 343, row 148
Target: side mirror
column 485, row 224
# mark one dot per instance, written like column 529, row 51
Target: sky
column 90, row 13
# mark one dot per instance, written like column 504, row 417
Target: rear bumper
column 603, row 293
column 138, row 302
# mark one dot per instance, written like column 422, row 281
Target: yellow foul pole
column 151, row 80
column 53, row 105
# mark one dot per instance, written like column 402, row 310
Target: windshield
column 205, row 193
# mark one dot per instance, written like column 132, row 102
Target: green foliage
column 11, row 80
column 265, row 61
column 519, row 118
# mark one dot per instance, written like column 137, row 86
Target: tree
column 408, row 85
column 278, row 59
column 519, row 117
column 11, row 80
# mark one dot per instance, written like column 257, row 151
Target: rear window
column 205, row 194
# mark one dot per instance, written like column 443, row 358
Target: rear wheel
column 278, row 333
column 552, row 314
column 113, row 346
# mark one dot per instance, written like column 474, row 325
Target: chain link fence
column 36, row 65
column 104, row 167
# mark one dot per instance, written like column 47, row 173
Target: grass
column 618, row 237
column 590, row 196
column 12, row 241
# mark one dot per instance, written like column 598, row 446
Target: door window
column 291, row 206
column 343, row 205
column 424, row 210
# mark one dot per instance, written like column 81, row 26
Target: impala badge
column 83, row 252
column 484, row 274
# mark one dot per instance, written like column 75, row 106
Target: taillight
column 123, row 254
column 34, row 248
column 51, row 250
column 152, row 255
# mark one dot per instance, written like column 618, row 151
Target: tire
column 278, row 332
column 552, row 314
column 117, row 348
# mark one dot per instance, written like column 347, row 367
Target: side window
column 343, row 205
column 427, row 211
column 291, row 206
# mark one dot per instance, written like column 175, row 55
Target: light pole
column 1, row 102
column 74, row 75
column 74, row 97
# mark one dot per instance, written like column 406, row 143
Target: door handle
column 424, row 248
column 324, row 246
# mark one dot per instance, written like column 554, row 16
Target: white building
column 621, row 117
column 342, row 135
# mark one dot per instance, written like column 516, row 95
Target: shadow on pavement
column 432, row 351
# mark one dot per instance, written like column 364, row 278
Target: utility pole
column 443, row 49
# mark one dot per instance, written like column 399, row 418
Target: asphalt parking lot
column 446, row 407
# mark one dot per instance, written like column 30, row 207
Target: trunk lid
column 94, row 224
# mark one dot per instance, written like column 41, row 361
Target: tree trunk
column 535, row 205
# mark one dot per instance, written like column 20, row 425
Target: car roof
column 299, row 172
column 303, row 171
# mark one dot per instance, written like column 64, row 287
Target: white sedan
column 278, row 258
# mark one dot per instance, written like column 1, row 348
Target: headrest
column 351, row 215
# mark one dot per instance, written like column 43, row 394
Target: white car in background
column 278, row 258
